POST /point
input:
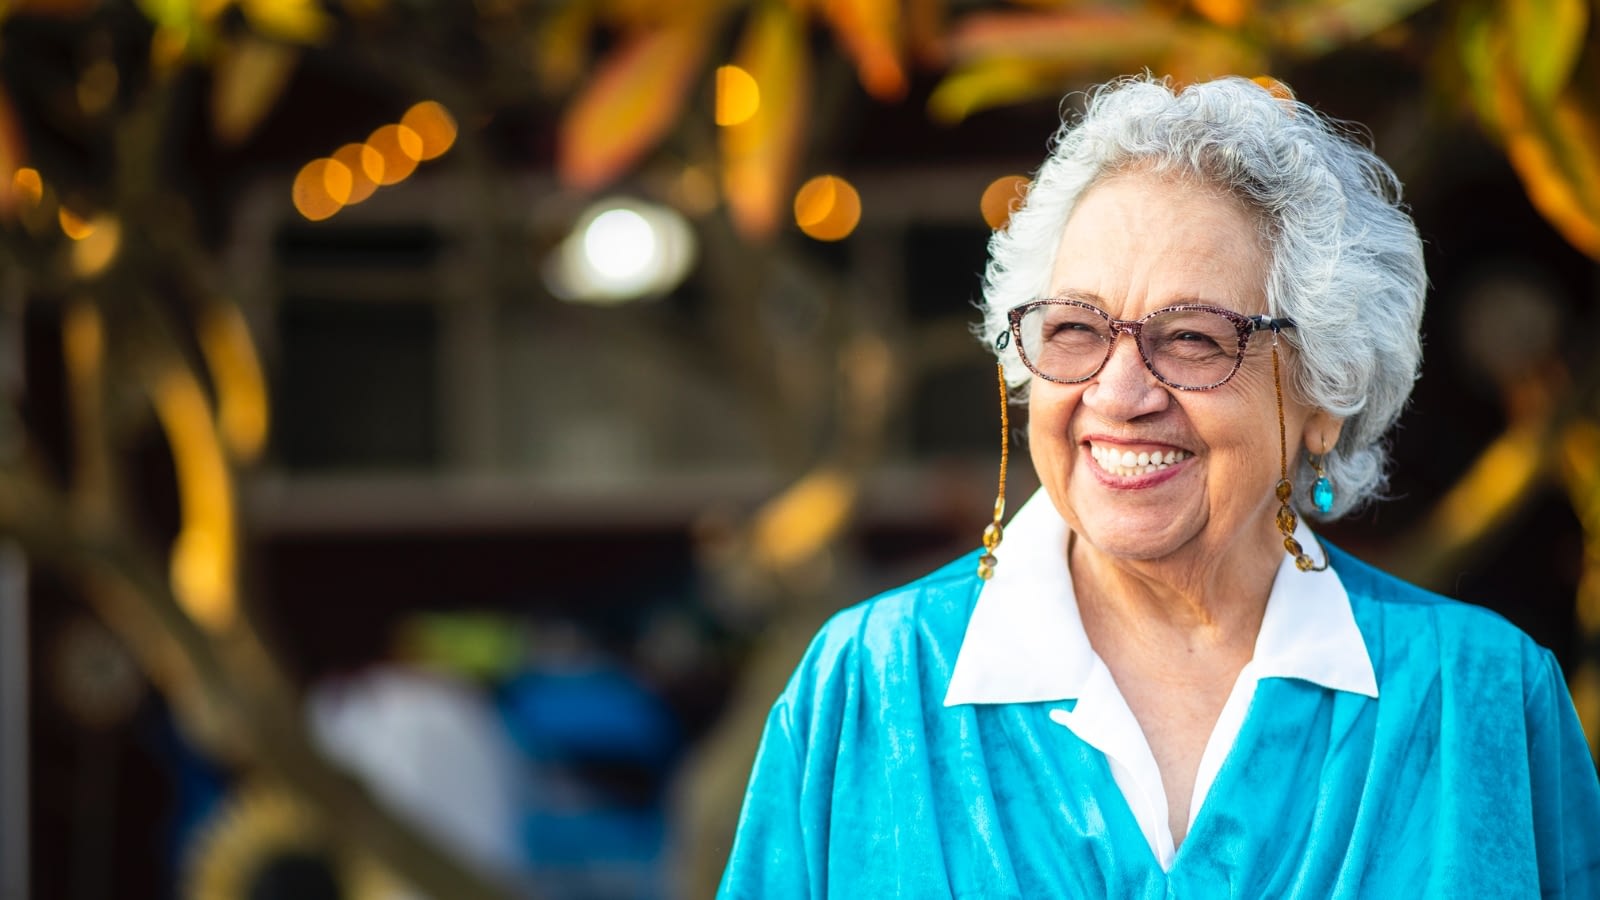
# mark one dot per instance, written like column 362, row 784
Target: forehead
column 1139, row 241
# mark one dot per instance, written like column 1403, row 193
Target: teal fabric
column 1467, row 777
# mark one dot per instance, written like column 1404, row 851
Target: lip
column 1131, row 482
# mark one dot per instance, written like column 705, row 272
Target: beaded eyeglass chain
column 1285, row 489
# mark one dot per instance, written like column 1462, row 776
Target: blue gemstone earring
column 1322, row 488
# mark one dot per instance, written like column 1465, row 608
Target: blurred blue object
column 598, row 712
column 601, row 746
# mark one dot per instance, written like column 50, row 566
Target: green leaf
column 1317, row 28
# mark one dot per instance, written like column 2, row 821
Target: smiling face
column 1139, row 470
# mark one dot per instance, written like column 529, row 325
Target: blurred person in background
column 1161, row 682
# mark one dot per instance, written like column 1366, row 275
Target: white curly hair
column 1346, row 259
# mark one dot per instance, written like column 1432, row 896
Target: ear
column 1321, row 431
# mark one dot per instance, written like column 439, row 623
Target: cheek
column 1050, row 418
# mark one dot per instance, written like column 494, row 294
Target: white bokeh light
column 622, row 249
column 619, row 246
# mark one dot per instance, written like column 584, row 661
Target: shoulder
column 1413, row 631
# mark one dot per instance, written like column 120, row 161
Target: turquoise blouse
column 1467, row 777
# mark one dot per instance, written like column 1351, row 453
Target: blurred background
column 434, row 429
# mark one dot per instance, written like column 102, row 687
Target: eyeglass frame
column 1246, row 326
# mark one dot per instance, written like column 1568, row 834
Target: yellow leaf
column 295, row 21
column 634, row 97
column 250, row 75
column 760, row 154
column 1544, row 39
column 205, row 553
column 869, row 32
column 797, row 524
column 178, row 14
column 1499, row 477
column 241, row 389
column 987, row 84
column 561, row 47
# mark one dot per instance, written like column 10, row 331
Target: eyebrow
column 1094, row 299
column 1081, row 296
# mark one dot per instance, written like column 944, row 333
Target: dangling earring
column 993, row 533
column 1285, row 490
column 1322, row 488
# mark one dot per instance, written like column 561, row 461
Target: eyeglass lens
column 1186, row 347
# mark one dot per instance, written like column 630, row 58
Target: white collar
column 1025, row 641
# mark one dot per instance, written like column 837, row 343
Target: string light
column 389, row 156
column 357, row 158
column 314, row 188
column 433, row 126
column 827, row 208
column 400, row 149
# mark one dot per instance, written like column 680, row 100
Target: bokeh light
column 399, row 148
column 622, row 249
column 73, row 225
column 738, row 96
column 358, row 159
column 1001, row 198
column 827, row 208
column 433, row 126
column 619, row 244
column 95, row 251
column 322, row 188
column 28, row 186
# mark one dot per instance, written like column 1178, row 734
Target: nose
column 1125, row 388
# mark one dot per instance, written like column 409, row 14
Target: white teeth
column 1128, row 464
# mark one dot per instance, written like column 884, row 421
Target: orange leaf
column 1076, row 39
column 1553, row 143
column 1227, row 13
column 1206, row 53
column 631, row 102
column 925, row 25
column 869, row 31
column 759, row 155
column 1558, row 159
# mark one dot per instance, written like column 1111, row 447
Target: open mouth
column 1130, row 463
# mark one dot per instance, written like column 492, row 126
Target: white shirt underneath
column 1025, row 643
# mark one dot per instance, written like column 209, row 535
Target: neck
column 1210, row 602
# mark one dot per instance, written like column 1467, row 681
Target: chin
column 1125, row 547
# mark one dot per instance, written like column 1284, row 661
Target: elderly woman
column 1162, row 683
